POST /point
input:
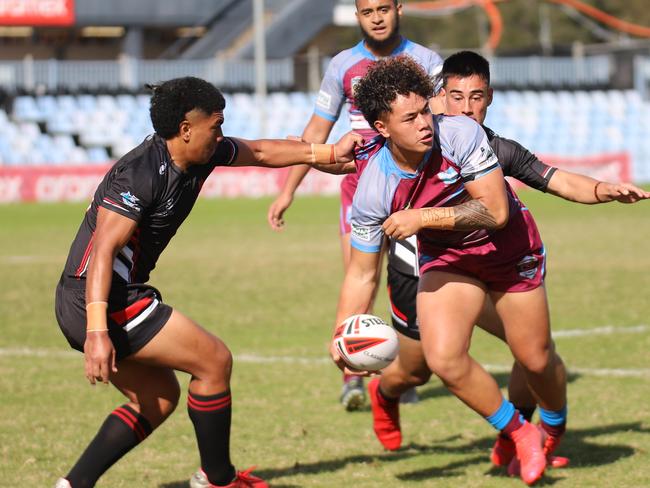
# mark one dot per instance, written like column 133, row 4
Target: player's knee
column 537, row 361
column 156, row 408
column 217, row 362
column 451, row 370
column 418, row 378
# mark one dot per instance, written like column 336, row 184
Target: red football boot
column 243, row 479
column 530, row 460
column 385, row 418
column 551, row 443
column 503, row 451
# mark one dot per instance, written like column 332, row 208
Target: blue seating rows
column 87, row 129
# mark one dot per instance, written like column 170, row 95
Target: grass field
column 272, row 298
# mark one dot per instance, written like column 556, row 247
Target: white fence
column 128, row 73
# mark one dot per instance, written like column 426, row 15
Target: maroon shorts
column 348, row 187
column 512, row 259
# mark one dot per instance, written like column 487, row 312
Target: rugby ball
column 366, row 342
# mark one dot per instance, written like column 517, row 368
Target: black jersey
column 146, row 186
column 518, row 162
column 515, row 160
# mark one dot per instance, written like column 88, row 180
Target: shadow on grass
column 577, row 446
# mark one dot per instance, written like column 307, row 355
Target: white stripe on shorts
column 143, row 315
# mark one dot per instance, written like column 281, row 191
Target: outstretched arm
column 583, row 189
column 277, row 153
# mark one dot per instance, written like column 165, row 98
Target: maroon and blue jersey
column 147, row 187
column 337, row 91
column 461, row 153
column 515, row 160
column 348, row 67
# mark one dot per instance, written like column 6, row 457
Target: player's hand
column 626, row 192
column 99, row 355
column 275, row 214
column 338, row 360
column 403, row 224
column 344, row 148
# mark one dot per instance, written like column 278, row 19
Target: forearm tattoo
column 438, row 218
column 473, row 215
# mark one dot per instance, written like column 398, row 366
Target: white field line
column 495, row 368
column 607, row 330
column 31, row 259
column 257, row 359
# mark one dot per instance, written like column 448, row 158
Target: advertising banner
column 37, row 12
column 78, row 183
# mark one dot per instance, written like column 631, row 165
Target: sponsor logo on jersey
column 360, row 232
column 527, row 267
column 324, row 100
column 130, row 200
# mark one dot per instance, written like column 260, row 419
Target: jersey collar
column 401, row 47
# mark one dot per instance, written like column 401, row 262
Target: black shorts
column 136, row 314
column 402, row 292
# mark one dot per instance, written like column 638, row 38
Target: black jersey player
column 106, row 309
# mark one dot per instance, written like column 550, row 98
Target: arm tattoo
column 473, row 215
column 438, row 218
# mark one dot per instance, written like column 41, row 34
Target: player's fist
column 344, row 148
column 403, row 224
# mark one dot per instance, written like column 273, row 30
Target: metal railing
column 536, row 71
column 128, row 73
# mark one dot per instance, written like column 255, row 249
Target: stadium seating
column 87, row 129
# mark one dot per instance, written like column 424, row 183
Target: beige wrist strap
column 96, row 316
column 323, row 153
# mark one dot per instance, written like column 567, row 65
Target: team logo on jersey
column 449, row 176
column 324, row 100
column 527, row 267
column 354, row 81
column 130, row 200
column 488, row 154
column 360, row 232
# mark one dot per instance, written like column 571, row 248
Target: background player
column 379, row 24
column 466, row 78
column 476, row 239
column 104, row 308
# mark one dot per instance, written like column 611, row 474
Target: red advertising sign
column 78, row 183
column 37, row 12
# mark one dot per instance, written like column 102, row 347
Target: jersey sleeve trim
column 234, row 149
column 480, row 174
column 113, row 206
column 226, row 153
column 365, row 248
column 325, row 115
